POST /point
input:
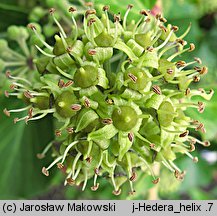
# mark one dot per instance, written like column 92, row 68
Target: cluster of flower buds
column 121, row 94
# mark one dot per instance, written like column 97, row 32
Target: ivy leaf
column 21, row 171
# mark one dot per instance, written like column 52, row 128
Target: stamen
column 106, row 9
column 107, row 121
column 201, row 107
column 64, row 73
column 45, row 170
column 67, row 150
column 156, row 89
column 42, row 155
column 75, row 163
column 85, row 179
column 130, row 136
column 7, row 112
column 87, row 103
column 45, row 53
column 117, row 19
column 173, row 29
column 184, row 134
column 194, row 159
column 52, row 10
column 8, row 74
column 132, row 77
column 96, row 170
column 72, row 10
column 76, row 107
column 31, row 26
column 129, row 7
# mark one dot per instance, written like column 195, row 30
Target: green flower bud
column 16, row 33
column 64, row 104
column 86, row 76
column 124, row 118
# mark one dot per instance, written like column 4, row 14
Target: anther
column 58, row 133
column 152, row 146
column 70, row 130
column 191, row 48
column 187, row 91
column 12, row 86
column 163, row 28
column 96, row 171
column 158, row 16
column 89, row 159
column 201, row 106
column 30, row 113
column 155, row 181
column 196, row 78
column 195, row 159
column 40, row 156
column 6, row 94
column 198, row 60
column 130, row 136
column 162, row 19
column 110, row 101
column 129, row 6
column 175, row 28
column 87, row 103
column 91, row 21
column 61, row 83
column 117, row 192
column 184, row 134
column 45, row 171
column 107, row 121
column 69, row 49
column 192, row 147
column 89, row 4
column 106, row 8
column 150, row 48
column 170, row 71
column 76, row 107
column 180, row 63
column 204, row 71
column 181, row 41
column 95, row 187
column 92, row 52
column 117, row 17
column 68, row 83
column 27, row 94
column 132, row 77
column 89, row 12
column 31, row 26
column 131, row 193
column 60, row 166
column 16, row 120
column 156, row 89
column 144, row 12
column 206, row 143
column 52, row 11
column 6, row 112
column 72, row 9
column 133, row 177
column 179, row 175
column 70, row 181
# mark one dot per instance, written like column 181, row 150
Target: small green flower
column 119, row 92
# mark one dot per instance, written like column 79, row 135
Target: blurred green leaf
column 20, row 169
column 197, row 174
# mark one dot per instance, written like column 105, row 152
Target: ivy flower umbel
column 121, row 95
